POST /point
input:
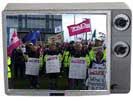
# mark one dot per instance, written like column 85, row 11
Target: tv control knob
column 121, row 49
column 121, row 22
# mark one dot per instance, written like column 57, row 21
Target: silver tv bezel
column 65, row 92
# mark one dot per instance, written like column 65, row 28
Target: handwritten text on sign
column 97, row 79
column 32, row 66
column 77, row 68
column 52, row 64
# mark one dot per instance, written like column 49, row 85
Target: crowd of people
column 65, row 51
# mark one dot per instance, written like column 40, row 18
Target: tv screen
column 57, row 51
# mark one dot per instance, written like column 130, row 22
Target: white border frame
column 66, row 92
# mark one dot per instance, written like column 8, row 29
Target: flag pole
column 90, row 27
column 86, row 32
column 74, row 24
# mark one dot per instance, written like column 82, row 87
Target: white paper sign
column 58, row 38
column 97, row 79
column 52, row 64
column 78, row 68
column 32, row 66
column 58, row 29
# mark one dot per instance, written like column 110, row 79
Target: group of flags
column 32, row 37
column 15, row 42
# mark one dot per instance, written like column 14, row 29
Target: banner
column 58, row 38
column 82, row 27
column 32, row 66
column 77, row 68
column 14, row 41
column 97, row 79
column 53, row 64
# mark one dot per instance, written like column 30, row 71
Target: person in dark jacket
column 34, row 79
column 18, row 63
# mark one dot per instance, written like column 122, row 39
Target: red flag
column 15, row 42
column 82, row 27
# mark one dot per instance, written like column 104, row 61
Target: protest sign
column 58, row 29
column 58, row 38
column 52, row 64
column 79, row 28
column 77, row 68
column 96, row 79
column 32, row 66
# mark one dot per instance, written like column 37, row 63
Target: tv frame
column 60, row 92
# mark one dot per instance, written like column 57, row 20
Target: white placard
column 52, row 64
column 78, row 68
column 58, row 38
column 58, row 29
column 97, row 79
column 32, row 66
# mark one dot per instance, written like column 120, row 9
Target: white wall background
column 112, row 97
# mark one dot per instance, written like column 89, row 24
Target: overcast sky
column 98, row 22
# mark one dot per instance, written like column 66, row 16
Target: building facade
column 25, row 23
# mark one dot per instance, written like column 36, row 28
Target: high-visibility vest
column 66, row 59
column 9, row 70
column 104, row 55
column 91, row 55
column 88, row 61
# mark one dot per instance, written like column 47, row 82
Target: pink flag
column 82, row 27
column 15, row 42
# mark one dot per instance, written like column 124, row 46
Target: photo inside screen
column 57, row 52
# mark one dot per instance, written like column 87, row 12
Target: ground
column 43, row 83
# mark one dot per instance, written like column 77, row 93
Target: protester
column 18, row 63
column 74, row 82
column 33, row 79
column 96, row 78
column 65, row 62
column 54, row 57
column 62, row 55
